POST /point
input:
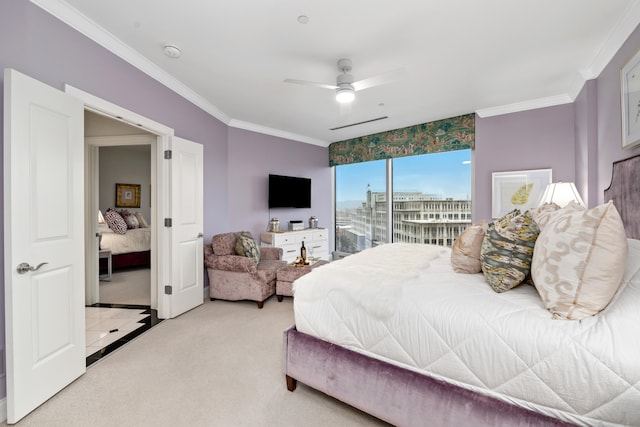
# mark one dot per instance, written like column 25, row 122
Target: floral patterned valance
column 455, row 133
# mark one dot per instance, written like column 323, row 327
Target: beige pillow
column 542, row 214
column 465, row 253
column 579, row 260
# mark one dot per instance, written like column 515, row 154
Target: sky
column 443, row 174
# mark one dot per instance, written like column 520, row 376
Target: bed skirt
column 130, row 260
column 393, row 394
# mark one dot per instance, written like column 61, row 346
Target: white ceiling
column 459, row 56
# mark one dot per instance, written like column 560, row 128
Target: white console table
column 316, row 240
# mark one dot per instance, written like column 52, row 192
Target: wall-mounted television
column 289, row 192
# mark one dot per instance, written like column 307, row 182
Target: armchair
column 234, row 277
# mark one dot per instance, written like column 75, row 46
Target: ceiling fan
column 345, row 87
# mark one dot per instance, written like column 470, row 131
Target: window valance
column 455, row 133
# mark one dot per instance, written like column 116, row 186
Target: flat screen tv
column 289, row 192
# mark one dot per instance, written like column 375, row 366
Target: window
column 431, row 200
column 361, row 206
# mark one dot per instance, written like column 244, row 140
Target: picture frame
column 630, row 99
column 127, row 195
column 517, row 190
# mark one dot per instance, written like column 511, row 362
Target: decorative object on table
column 313, row 222
column 561, row 193
column 296, row 225
column 127, row 195
column 517, row 190
column 274, row 225
column 630, row 97
column 303, row 253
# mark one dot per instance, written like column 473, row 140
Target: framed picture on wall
column 630, row 97
column 517, row 190
column 127, row 195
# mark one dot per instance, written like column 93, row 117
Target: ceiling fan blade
column 380, row 79
column 308, row 83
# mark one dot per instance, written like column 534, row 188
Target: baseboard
column 3, row 409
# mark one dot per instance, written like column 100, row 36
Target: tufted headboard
column 625, row 193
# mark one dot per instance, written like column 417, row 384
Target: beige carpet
column 217, row 365
column 127, row 287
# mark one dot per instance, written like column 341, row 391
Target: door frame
column 92, row 145
column 160, row 194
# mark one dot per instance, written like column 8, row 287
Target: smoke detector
column 172, row 51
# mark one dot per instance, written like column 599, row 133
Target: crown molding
column 239, row 124
column 524, row 106
column 76, row 20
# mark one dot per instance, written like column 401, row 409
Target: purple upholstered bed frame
column 406, row 398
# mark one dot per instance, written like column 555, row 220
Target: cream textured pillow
column 542, row 214
column 465, row 253
column 579, row 260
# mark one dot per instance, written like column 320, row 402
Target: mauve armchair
column 234, row 277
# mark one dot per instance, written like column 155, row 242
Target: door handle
column 25, row 267
column 199, row 235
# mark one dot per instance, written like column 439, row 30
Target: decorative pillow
column 507, row 250
column 141, row 221
column 224, row 244
column 465, row 253
column 579, row 260
column 130, row 218
column 247, row 246
column 115, row 221
column 542, row 214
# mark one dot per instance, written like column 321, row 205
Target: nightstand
column 105, row 253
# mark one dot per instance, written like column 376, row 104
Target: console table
column 316, row 240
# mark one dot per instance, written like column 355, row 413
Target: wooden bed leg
column 280, row 297
column 291, row 383
column 260, row 304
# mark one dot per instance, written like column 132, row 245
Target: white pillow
column 579, row 260
column 141, row 221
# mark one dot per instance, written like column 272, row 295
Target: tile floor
column 109, row 326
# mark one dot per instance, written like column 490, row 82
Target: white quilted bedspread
column 404, row 304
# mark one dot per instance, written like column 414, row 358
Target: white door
column 44, row 232
column 187, row 266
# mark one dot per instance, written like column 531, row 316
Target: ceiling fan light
column 345, row 95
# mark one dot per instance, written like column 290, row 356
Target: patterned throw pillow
column 507, row 250
column 579, row 260
column 247, row 246
column 465, row 253
column 115, row 221
column 542, row 214
column 130, row 218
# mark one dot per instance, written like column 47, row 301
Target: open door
column 186, row 291
column 44, row 241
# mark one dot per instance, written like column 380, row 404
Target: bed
column 427, row 346
column 128, row 250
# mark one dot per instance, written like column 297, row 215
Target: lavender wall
column 252, row 157
column 536, row 139
column 609, row 116
column 586, row 128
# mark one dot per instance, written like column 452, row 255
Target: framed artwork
column 127, row 195
column 630, row 97
column 517, row 190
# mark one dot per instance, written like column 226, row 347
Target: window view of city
column 431, row 201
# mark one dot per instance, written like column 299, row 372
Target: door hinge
column 168, row 290
column 167, row 222
column 168, row 154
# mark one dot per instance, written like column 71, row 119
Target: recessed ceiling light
column 172, row 51
column 303, row 19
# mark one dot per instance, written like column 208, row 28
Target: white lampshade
column 100, row 217
column 561, row 193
